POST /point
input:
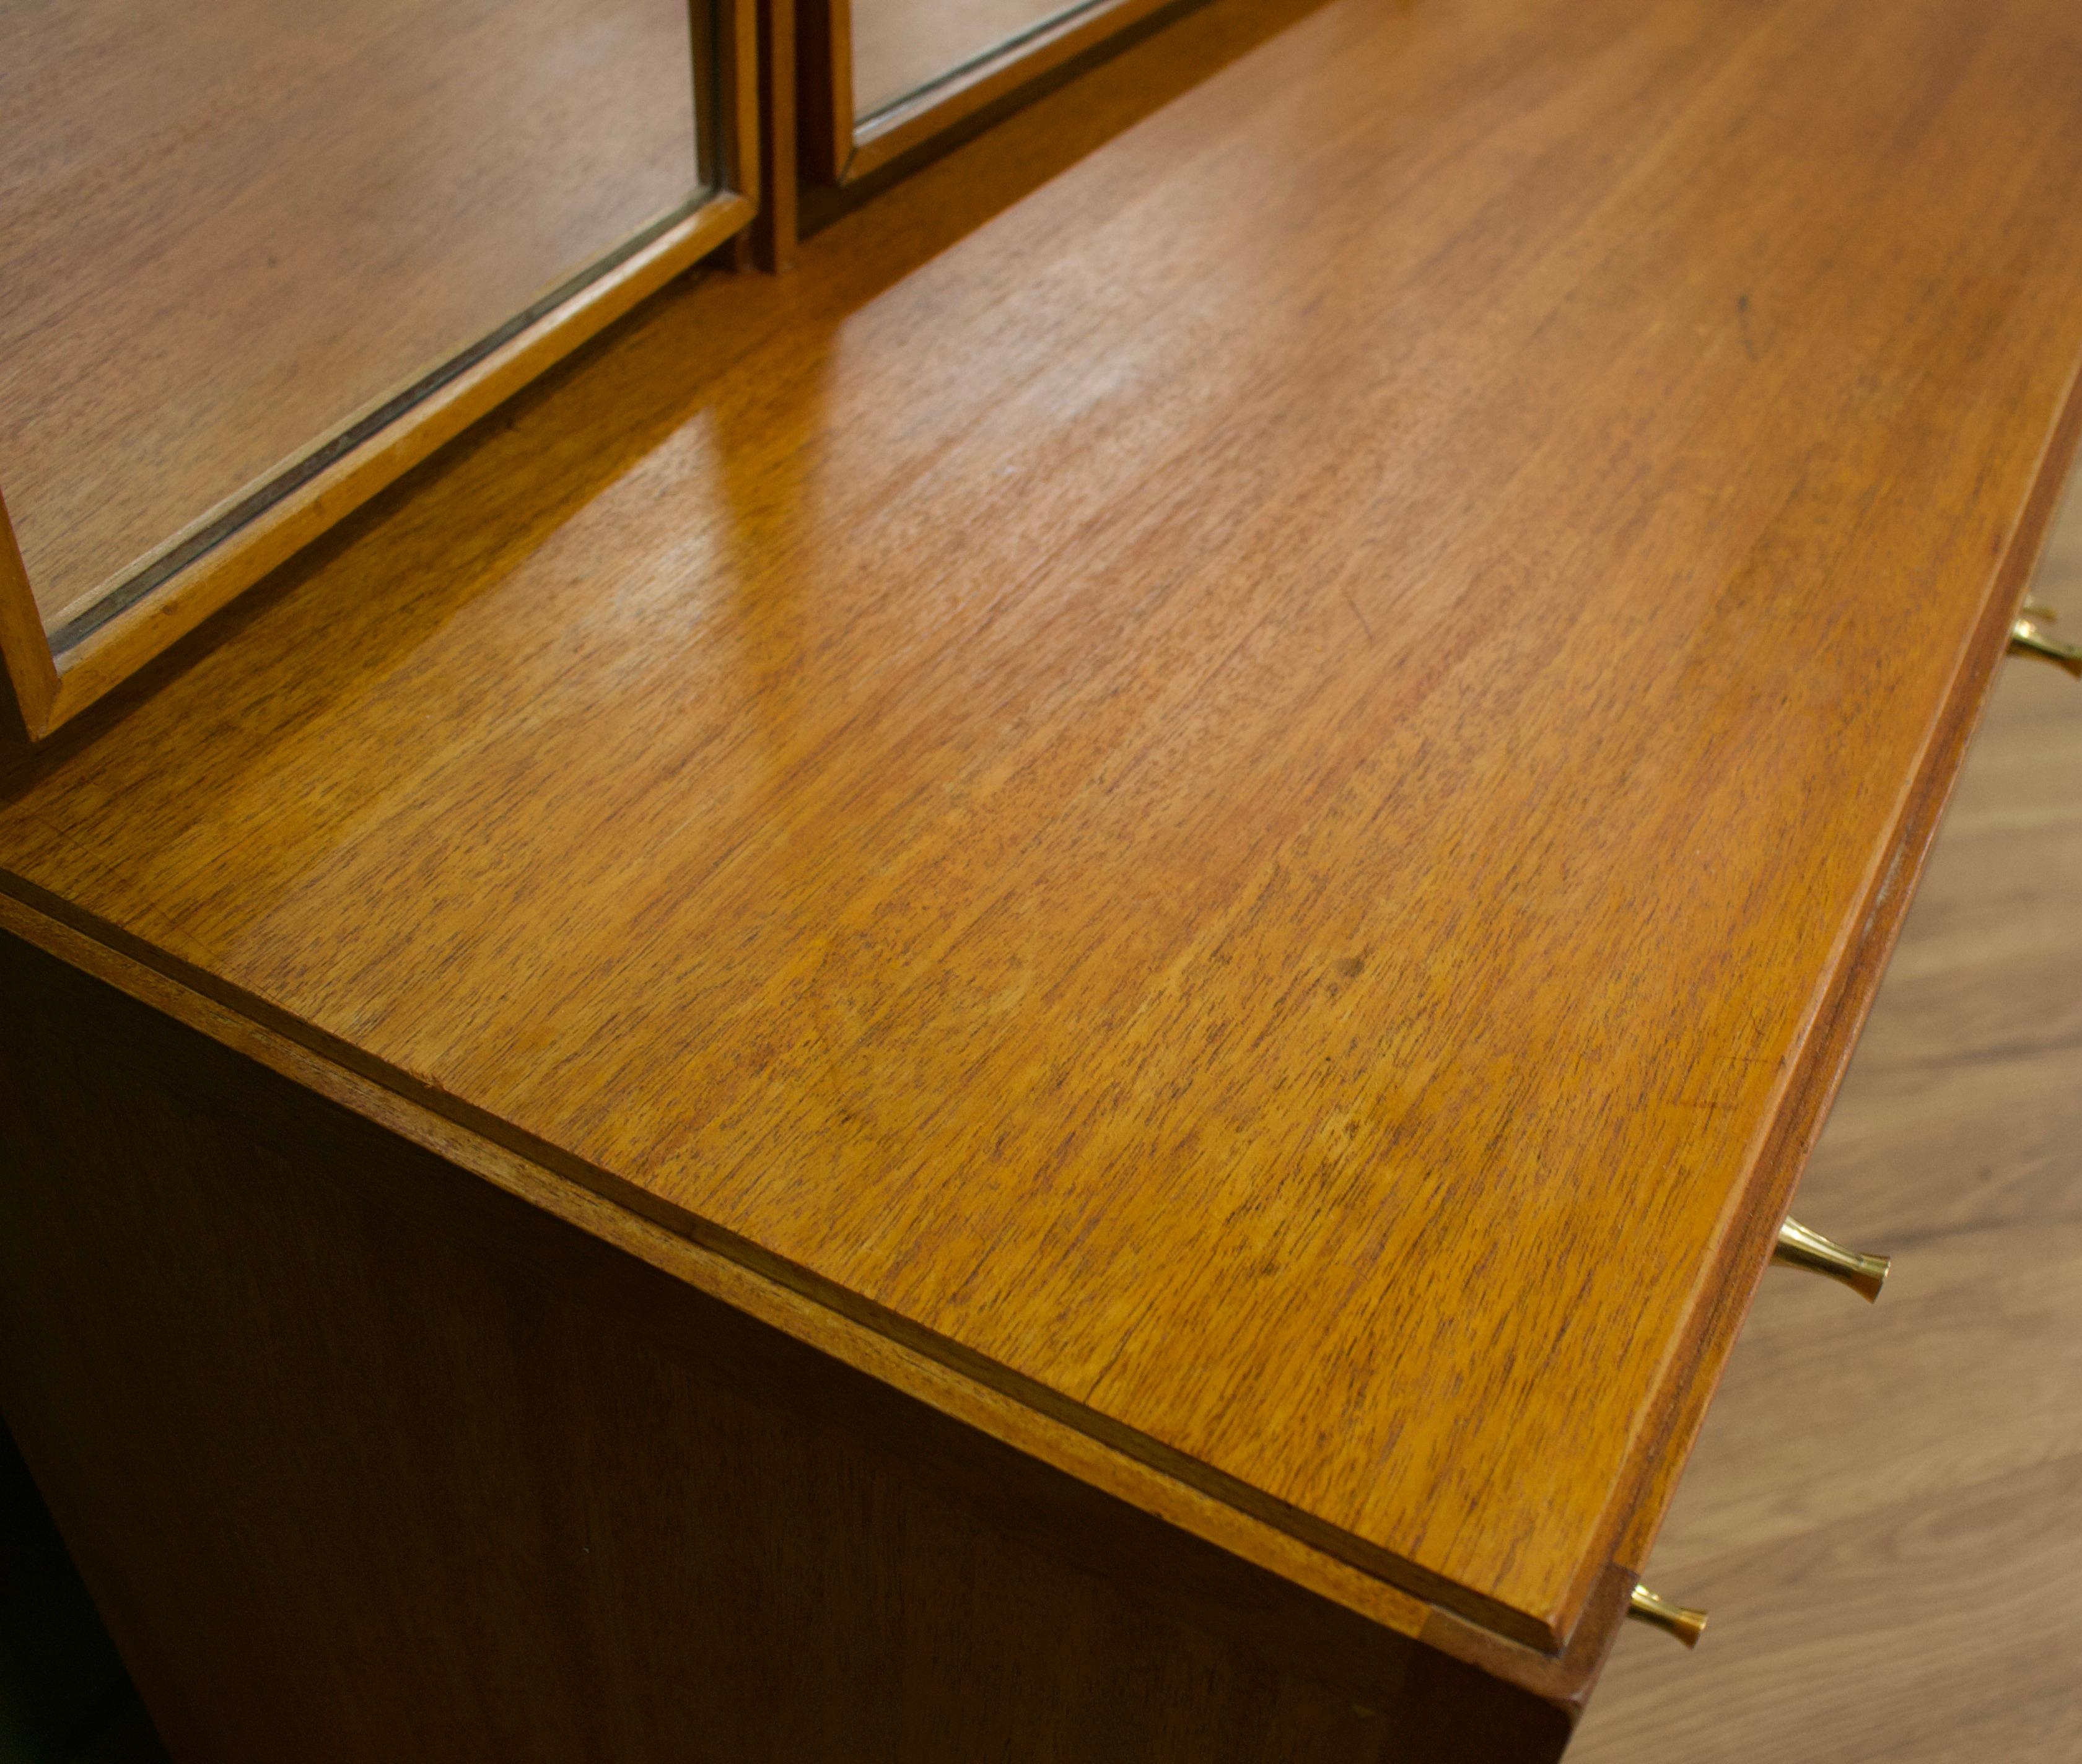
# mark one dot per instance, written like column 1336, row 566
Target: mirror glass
column 900, row 47
column 238, row 236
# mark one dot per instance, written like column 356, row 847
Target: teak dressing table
column 1047, row 993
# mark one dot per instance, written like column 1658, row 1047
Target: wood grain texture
column 1558, row 1679
column 1884, row 1508
column 367, row 1459
column 1800, row 1124
column 1228, row 799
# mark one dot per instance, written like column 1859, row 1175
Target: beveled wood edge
column 1750, row 1229
column 858, row 150
column 937, row 1373
column 31, row 676
column 1565, row 1677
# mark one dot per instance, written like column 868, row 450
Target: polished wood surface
column 365, row 1459
column 1235, row 801
column 1885, row 1509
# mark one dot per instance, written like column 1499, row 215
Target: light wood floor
column 1884, row 1514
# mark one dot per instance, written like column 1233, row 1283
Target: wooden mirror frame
column 47, row 684
column 838, row 149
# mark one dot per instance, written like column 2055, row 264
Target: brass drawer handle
column 2027, row 638
column 1681, row 1621
column 1799, row 1248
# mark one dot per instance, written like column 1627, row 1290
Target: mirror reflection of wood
column 880, row 80
column 900, row 47
column 230, row 233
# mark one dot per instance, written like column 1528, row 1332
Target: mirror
column 881, row 77
column 900, row 47
column 242, row 241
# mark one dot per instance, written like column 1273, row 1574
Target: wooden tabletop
column 1219, row 774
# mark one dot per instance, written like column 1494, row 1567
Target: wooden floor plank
column 1898, row 1633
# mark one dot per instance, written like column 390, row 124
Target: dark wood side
column 27, row 673
column 363, row 1459
column 823, row 87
